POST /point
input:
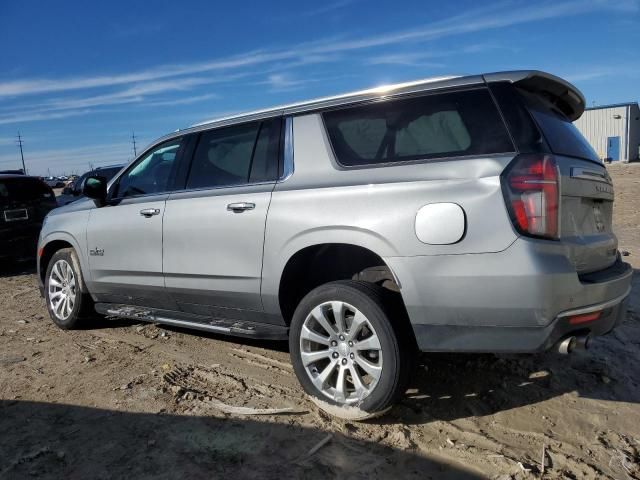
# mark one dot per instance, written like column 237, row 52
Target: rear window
column 23, row 189
column 420, row 128
column 561, row 134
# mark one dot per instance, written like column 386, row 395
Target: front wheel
column 348, row 349
column 65, row 293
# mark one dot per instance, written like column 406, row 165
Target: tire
column 64, row 269
column 383, row 372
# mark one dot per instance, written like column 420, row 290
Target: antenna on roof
column 20, row 142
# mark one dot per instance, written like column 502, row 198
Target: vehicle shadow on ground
column 51, row 441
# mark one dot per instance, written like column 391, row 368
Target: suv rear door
column 214, row 229
column 125, row 236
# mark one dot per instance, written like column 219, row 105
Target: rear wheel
column 348, row 350
column 67, row 300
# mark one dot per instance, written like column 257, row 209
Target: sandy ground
column 125, row 400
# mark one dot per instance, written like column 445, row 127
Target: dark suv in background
column 73, row 191
column 24, row 202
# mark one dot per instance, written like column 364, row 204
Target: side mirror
column 95, row 187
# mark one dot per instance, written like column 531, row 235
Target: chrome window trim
column 590, row 174
column 219, row 187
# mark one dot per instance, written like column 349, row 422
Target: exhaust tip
column 572, row 343
column 567, row 345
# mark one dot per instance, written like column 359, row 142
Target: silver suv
column 460, row 214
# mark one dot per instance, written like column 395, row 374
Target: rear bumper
column 517, row 300
column 20, row 242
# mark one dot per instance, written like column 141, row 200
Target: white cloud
column 323, row 10
column 35, row 116
column 480, row 19
column 181, row 101
column 281, row 81
column 598, row 72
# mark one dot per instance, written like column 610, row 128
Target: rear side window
column 23, row 189
column 236, row 155
column 562, row 136
column 434, row 126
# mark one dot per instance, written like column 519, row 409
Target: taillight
column 530, row 187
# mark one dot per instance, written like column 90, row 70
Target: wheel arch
column 320, row 263
column 53, row 243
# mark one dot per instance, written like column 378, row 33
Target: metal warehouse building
column 613, row 130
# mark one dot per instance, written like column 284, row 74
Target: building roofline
column 613, row 105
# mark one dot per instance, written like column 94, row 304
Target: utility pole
column 24, row 168
column 133, row 139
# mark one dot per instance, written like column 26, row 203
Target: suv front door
column 125, row 236
column 214, row 229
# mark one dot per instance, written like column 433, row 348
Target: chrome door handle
column 240, row 207
column 149, row 212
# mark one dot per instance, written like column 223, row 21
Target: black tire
column 82, row 304
column 384, row 310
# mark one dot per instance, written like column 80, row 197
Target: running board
column 197, row 322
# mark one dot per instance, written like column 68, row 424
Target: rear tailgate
column 539, row 110
column 586, row 211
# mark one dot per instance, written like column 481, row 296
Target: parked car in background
column 54, row 182
column 24, row 203
column 464, row 214
column 73, row 191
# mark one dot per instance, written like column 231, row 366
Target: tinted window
column 526, row 134
column 450, row 124
column 23, row 189
column 154, row 173
column 264, row 166
column 108, row 172
column 236, row 155
column 79, row 183
column 562, row 136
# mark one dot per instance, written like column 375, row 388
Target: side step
column 198, row 322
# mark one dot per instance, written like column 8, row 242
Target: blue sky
column 77, row 77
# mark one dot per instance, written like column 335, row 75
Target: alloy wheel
column 62, row 289
column 341, row 352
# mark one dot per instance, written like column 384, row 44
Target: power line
column 133, row 139
column 24, row 168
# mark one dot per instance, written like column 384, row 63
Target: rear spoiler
column 566, row 97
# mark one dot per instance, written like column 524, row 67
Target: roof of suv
column 566, row 97
column 15, row 175
column 524, row 77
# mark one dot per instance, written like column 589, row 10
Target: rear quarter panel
column 376, row 207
